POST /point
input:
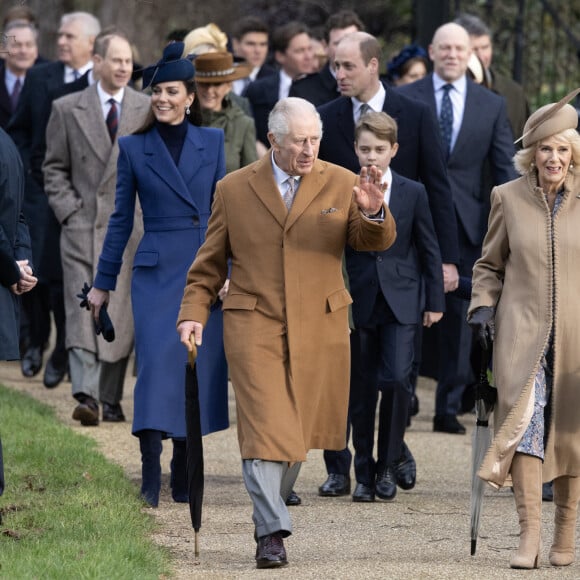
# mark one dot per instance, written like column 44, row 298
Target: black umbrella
column 485, row 397
column 194, row 447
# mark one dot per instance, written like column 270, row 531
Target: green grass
column 67, row 512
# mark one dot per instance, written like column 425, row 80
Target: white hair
column 91, row 25
column 284, row 111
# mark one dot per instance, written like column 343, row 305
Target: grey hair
column 474, row 25
column 90, row 23
column 14, row 24
column 284, row 110
column 524, row 158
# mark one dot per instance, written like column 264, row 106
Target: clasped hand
column 27, row 280
column 369, row 194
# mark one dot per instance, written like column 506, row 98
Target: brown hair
column 381, row 125
column 340, row 20
column 282, row 36
column 194, row 116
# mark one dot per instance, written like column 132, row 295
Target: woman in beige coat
column 525, row 291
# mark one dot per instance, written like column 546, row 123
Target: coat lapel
column 89, row 116
column 346, row 122
column 132, row 110
column 264, row 185
column 310, row 187
column 159, row 160
column 471, row 121
column 397, row 193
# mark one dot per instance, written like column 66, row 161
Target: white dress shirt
column 104, row 98
column 376, row 103
column 284, row 86
column 457, row 95
column 281, row 178
column 69, row 72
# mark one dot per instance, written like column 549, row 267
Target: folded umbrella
column 194, row 445
column 485, row 398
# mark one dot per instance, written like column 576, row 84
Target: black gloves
column 104, row 326
column 482, row 323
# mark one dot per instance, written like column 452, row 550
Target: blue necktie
column 446, row 119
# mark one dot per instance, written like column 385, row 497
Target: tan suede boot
column 526, row 473
column 566, row 495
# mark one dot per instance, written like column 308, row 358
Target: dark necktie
column 446, row 119
column 76, row 74
column 290, row 193
column 15, row 94
column 112, row 120
column 364, row 109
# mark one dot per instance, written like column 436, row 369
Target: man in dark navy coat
column 43, row 84
column 479, row 136
column 420, row 157
column 293, row 52
column 321, row 87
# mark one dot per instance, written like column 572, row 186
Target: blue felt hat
column 171, row 67
column 408, row 52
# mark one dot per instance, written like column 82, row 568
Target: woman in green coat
column 214, row 74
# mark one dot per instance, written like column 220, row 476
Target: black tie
column 15, row 94
column 446, row 119
column 112, row 120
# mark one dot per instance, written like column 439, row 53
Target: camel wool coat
column 286, row 330
column 522, row 273
column 80, row 177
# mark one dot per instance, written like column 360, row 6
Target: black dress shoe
column 270, row 552
column 87, row 412
column 54, row 372
column 448, row 424
column 363, row 493
column 31, row 362
column 335, row 485
column 386, row 484
column 293, row 499
column 406, row 469
column 113, row 413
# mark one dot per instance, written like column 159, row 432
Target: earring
column 571, row 166
column 187, row 110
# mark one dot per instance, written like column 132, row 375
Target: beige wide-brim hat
column 550, row 120
column 219, row 67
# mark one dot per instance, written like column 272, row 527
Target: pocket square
column 329, row 210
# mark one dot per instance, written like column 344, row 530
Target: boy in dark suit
column 387, row 307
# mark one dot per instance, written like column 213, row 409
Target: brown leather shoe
column 87, row 412
column 270, row 552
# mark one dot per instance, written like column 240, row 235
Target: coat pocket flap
column 407, row 271
column 146, row 259
column 240, row 302
column 339, row 299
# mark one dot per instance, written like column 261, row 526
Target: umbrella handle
column 192, row 355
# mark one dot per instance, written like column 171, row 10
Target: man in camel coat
column 286, row 312
column 80, row 173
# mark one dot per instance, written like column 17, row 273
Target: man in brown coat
column 285, row 314
column 80, row 173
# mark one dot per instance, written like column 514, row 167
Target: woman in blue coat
column 172, row 164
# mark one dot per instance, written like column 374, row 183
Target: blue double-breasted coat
column 176, row 202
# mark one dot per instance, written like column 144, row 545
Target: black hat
column 171, row 67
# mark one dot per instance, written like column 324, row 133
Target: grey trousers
column 269, row 483
column 85, row 372
column 100, row 380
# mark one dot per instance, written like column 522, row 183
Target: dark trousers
column 111, row 381
column 381, row 360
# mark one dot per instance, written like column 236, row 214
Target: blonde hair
column 208, row 38
column 524, row 158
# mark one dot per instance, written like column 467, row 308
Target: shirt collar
column 69, row 70
column 460, row 85
column 376, row 102
column 280, row 175
column 104, row 96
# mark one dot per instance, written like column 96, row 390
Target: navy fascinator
column 171, row 67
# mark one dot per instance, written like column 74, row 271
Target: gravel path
column 423, row 534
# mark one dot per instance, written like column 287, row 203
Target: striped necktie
column 289, row 193
column 112, row 120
